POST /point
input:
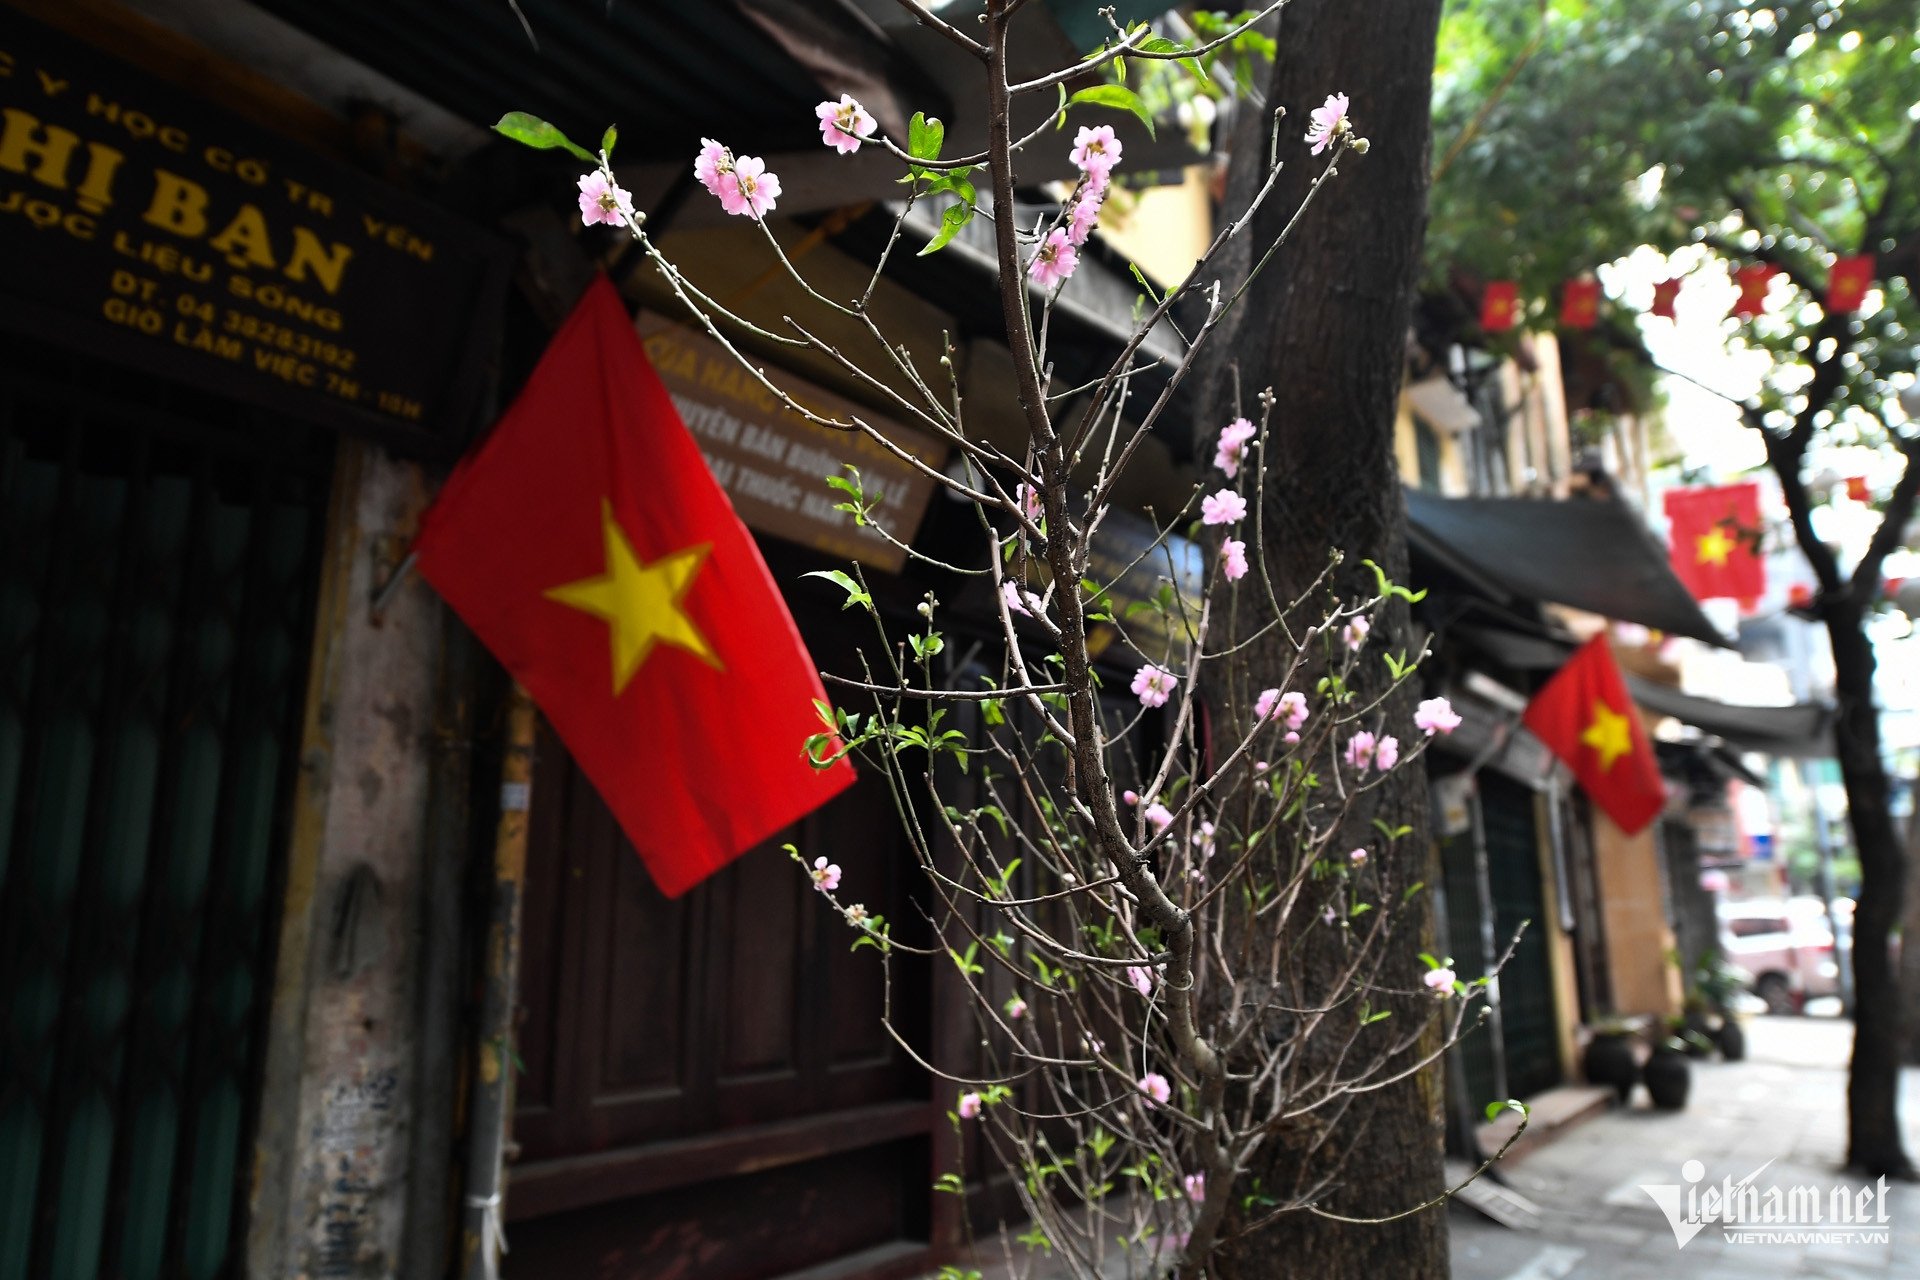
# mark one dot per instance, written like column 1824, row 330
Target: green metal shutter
column 158, row 553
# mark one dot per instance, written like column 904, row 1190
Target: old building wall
column 351, row 1023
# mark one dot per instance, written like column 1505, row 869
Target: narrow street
column 1782, row 1111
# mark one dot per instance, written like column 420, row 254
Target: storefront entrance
column 158, row 553
column 1527, row 1040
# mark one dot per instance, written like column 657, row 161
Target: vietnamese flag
column 1754, row 281
column 1585, row 717
column 1580, row 303
column 1714, row 541
column 588, row 546
column 1848, row 282
column 1664, row 293
column 1499, row 306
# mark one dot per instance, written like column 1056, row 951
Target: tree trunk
column 1325, row 327
column 1910, row 940
column 1873, row 1087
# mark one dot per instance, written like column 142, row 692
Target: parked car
column 1787, row 948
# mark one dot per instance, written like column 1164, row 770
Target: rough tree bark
column 1910, row 948
column 1873, row 1085
column 1325, row 327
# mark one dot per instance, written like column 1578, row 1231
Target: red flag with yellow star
column 1585, row 717
column 1714, row 541
column 1500, row 306
column 590, row 548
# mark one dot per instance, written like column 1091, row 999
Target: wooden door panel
column 643, row 1054
column 760, row 992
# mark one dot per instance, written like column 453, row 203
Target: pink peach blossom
column 969, row 1105
column 1095, row 149
column 1436, row 715
column 603, row 201
column 1155, row 1086
column 1360, row 749
column 1233, row 446
column 1440, row 981
column 1055, row 261
column 749, row 190
column 826, row 875
column 1386, row 754
column 1141, row 979
column 1328, row 122
column 713, row 163
column 1154, row 685
column 1224, row 507
column 844, row 124
column 1233, row 559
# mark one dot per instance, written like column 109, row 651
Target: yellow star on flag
column 640, row 603
column 1610, row 734
column 1713, row 546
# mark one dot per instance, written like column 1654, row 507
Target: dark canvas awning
column 1803, row 729
column 1593, row 554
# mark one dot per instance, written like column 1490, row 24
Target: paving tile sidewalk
column 1783, row 1108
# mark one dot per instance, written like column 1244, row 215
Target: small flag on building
column 590, row 548
column 1586, row 717
column 1714, row 541
column 1664, row 293
column 1753, row 281
column 1499, row 306
column 1848, row 282
column 1580, row 303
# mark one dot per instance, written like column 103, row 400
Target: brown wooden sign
column 773, row 463
column 160, row 232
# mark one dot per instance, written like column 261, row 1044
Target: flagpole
column 483, row 1237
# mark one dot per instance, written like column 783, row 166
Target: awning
column 1591, row 553
column 1803, row 729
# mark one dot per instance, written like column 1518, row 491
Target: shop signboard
column 142, row 225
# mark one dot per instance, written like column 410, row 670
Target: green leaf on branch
column 843, row 580
column 1387, row 589
column 532, row 131
column 607, row 139
column 1162, row 45
column 925, row 136
column 1036, row 1239
column 1117, row 97
column 1508, row 1104
column 956, row 217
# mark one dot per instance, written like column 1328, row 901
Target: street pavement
column 1783, row 1108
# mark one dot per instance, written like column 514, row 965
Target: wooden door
column 708, row 1090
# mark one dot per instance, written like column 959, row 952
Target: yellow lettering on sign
column 326, row 262
column 22, row 139
column 179, row 205
column 244, row 240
